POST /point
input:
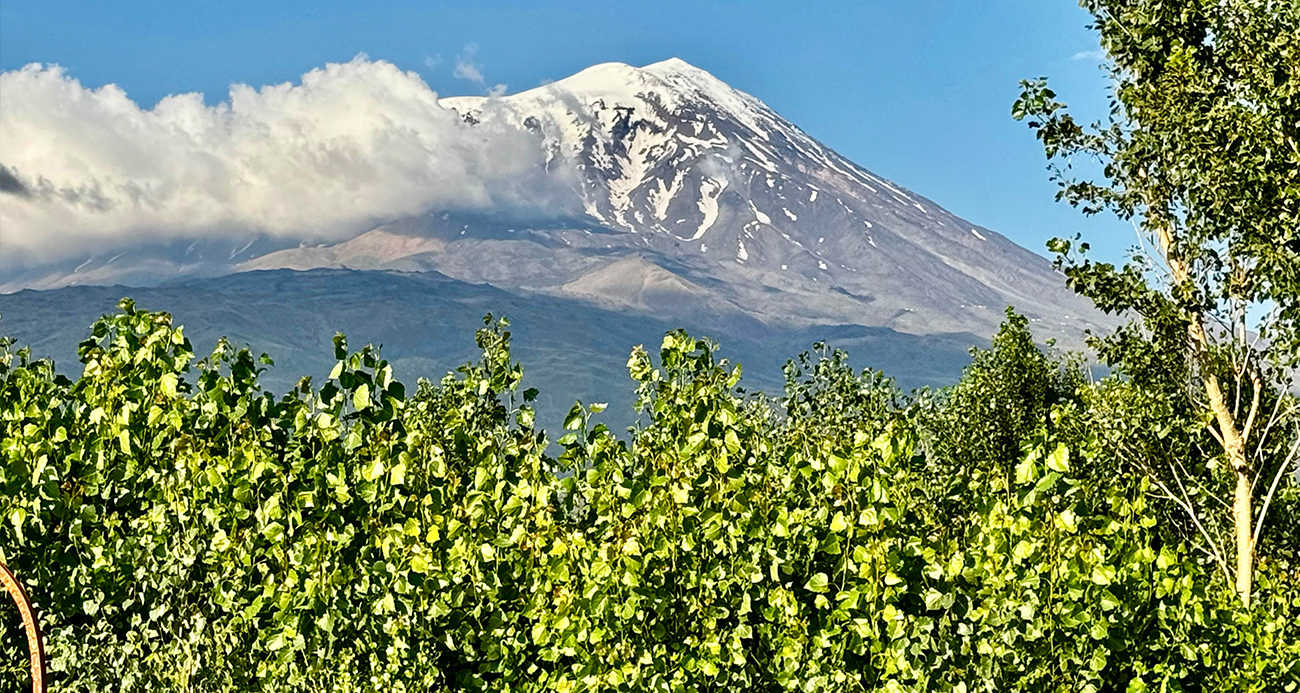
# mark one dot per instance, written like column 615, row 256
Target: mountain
column 693, row 204
column 709, row 184
column 680, row 164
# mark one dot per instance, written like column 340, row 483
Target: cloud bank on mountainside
column 86, row 170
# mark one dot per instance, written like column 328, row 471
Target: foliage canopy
column 182, row 529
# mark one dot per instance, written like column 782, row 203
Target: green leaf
column 1059, row 460
column 573, row 421
column 273, row 531
column 1026, row 471
column 167, row 383
column 933, row 599
column 353, row 439
column 839, row 523
column 1102, row 574
column 16, row 518
column 731, row 441
column 818, row 583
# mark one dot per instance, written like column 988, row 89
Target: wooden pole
column 35, row 645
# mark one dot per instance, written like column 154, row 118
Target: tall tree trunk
column 1241, row 519
column 1242, row 514
column 1230, row 434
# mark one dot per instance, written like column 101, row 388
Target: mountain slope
column 426, row 321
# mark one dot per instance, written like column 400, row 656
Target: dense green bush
column 182, row 529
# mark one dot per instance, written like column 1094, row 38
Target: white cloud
column 468, row 71
column 466, row 68
column 86, row 170
column 1088, row 55
column 433, row 61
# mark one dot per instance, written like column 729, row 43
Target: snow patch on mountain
column 710, row 188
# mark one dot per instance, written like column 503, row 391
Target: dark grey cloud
column 10, row 185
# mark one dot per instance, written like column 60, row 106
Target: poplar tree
column 1201, row 152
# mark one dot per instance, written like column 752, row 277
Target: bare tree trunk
column 1229, row 434
column 1234, row 444
column 1241, row 520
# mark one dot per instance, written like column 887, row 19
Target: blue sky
column 917, row 91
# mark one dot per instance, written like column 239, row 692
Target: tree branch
column 1273, row 419
column 1186, row 505
column 1257, row 385
column 1287, row 463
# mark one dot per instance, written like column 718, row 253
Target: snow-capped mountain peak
column 692, row 168
column 650, row 137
